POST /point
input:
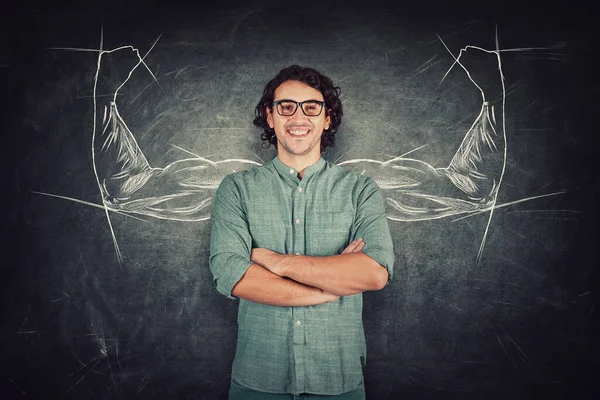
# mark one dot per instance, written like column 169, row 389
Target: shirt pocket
column 330, row 233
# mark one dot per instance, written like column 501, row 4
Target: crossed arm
column 242, row 268
column 293, row 280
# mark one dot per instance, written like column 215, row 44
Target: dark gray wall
column 78, row 324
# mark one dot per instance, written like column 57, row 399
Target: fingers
column 329, row 297
column 354, row 246
column 360, row 246
column 350, row 248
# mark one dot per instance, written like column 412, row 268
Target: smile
column 298, row 132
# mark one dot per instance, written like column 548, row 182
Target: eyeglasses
column 310, row 108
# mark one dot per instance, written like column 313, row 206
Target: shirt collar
column 292, row 173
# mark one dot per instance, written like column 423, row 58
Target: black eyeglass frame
column 299, row 104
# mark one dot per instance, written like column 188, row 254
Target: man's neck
column 299, row 163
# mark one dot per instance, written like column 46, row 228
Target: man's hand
column 276, row 262
column 269, row 260
column 355, row 246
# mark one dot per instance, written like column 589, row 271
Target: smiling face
column 298, row 136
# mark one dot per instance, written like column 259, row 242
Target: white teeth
column 298, row 132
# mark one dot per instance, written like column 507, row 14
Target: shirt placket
column 299, row 313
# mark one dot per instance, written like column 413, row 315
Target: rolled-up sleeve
column 230, row 241
column 371, row 224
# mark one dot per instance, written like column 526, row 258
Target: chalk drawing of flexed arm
column 182, row 190
column 469, row 183
column 414, row 189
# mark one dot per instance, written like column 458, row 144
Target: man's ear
column 327, row 120
column 269, row 117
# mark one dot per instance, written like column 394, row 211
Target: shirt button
column 297, row 254
column 300, row 189
column 291, row 171
column 298, row 323
column 297, row 221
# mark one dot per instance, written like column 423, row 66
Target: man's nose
column 298, row 115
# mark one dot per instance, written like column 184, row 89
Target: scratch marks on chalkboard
column 393, row 127
column 518, row 265
column 86, row 367
column 457, row 122
column 524, row 356
column 455, row 307
column 34, row 332
column 425, row 66
column 87, row 203
column 508, row 347
column 240, row 20
column 510, row 203
column 424, row 99
column 541, row 211
column 146, row 300
column 504, row 348
column 144, row 382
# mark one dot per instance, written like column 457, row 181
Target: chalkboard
column 107, row 301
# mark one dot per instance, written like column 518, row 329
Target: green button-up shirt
column 310, row 349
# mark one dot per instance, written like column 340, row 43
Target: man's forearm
column 343, row 274
column 262, row 286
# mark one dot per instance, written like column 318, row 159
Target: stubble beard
column 298, row 153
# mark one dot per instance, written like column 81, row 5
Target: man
column 297, row 241
column 279, row 229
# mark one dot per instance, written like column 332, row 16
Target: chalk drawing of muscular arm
column 416, row 191
column 180, row 191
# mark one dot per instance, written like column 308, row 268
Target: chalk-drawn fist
column 115, row 69
column 483, row 68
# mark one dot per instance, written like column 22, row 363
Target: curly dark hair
column 314, row 79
